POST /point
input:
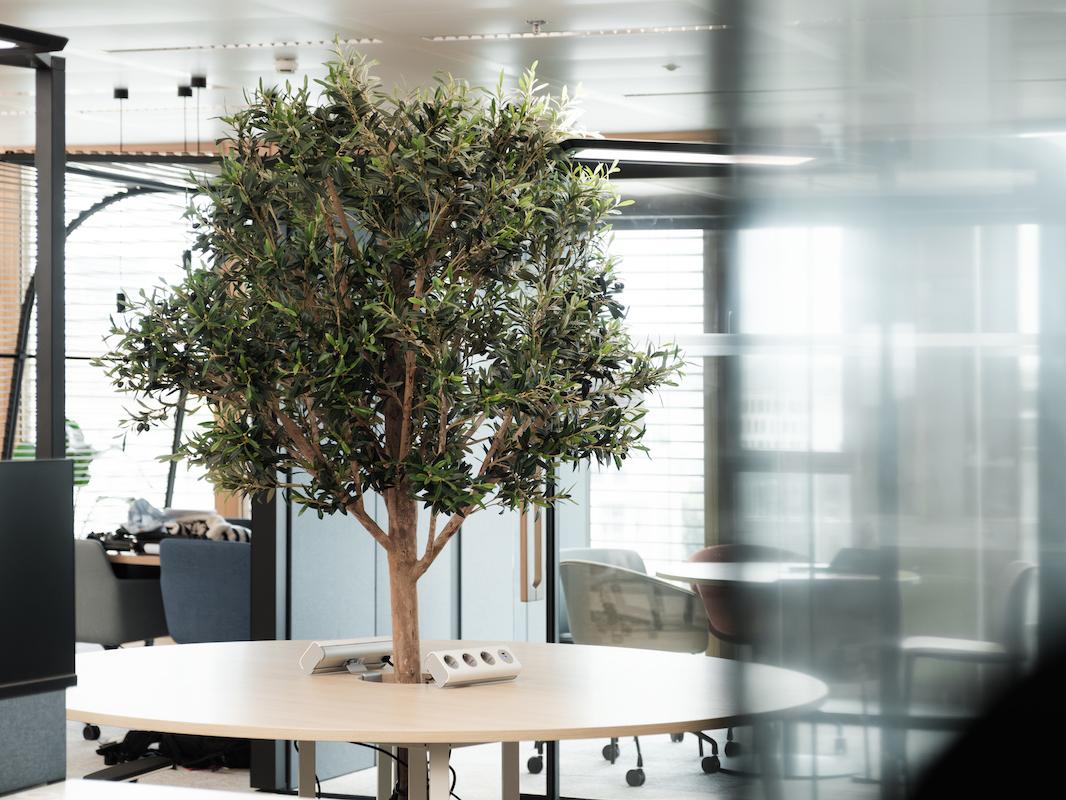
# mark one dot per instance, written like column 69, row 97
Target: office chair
column 630, row 559
column 1007, row 650
column 619, row 607
column 617, row 556
column 109, row 610
column 207, row 597
column 207, row 589
column 732, row 616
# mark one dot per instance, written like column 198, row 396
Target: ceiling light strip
column 663, row 156
column 480, row 37
column 248, row 45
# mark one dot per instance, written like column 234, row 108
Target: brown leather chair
column 732, row 613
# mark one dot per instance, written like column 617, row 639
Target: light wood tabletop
column 718, row 573
column 111, row 790
column 256, row 690
column 134, row 559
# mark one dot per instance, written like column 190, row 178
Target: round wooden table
column 721, row 573
column 256, row 690
column 759, row 577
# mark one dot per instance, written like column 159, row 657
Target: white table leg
column 416, row 772
column 440, row 777
column 386, row 779
column 509, row 790
column 306, row 769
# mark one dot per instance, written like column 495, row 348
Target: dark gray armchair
column 207, row 589
column 111, row 610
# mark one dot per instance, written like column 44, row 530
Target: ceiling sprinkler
column 536, row 25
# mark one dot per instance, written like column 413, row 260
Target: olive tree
column 407, row 294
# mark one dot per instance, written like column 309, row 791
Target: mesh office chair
column 619, row 557
column 619, row 607
column 630, row 559
column 109, row 610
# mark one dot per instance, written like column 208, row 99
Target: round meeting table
column 256, row 690
column 763, row 573
column 759, row 577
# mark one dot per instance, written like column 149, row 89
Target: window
column 655, row 503
column 131, row 245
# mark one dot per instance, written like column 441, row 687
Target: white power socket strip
column 469, row 665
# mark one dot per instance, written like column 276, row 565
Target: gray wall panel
column 333, row 596
column 489, row 591
column 33, row 740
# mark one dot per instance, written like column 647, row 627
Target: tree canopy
column 406, row 293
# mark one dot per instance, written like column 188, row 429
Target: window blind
column 136, row 243
column 655, row 503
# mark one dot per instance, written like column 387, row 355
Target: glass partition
column 872, row 407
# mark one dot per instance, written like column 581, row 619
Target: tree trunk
column 403, row 591
column 403, row 588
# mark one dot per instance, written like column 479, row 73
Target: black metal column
column 270, row 588
column 551, row 602
column 50, row 160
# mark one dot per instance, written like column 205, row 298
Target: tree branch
column 442, row 418
column 358, row 510
column 338, row 208
column 432, row 530
column 447, row 532
column 497, row 440
column 408, row 393
column 292, row 430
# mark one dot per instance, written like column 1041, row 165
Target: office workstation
column 441, row 400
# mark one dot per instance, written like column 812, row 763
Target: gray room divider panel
column 328, row 579
column 37, row 619
column 33, row 744
column 333, row 596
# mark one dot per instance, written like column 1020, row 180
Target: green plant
column 404, row 294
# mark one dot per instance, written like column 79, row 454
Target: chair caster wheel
column 677, row 737
column 90, row 733
column 732, row 748
column 711, row 764
column 635, row 777
column 610, row 752
column 110, row 759
column 535, row 765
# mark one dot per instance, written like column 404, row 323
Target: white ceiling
column 608, row 68
column 817, row 65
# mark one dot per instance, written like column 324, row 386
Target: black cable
column 455, row 779
column 381, row 750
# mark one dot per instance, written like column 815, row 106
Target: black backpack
column 181, row 749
